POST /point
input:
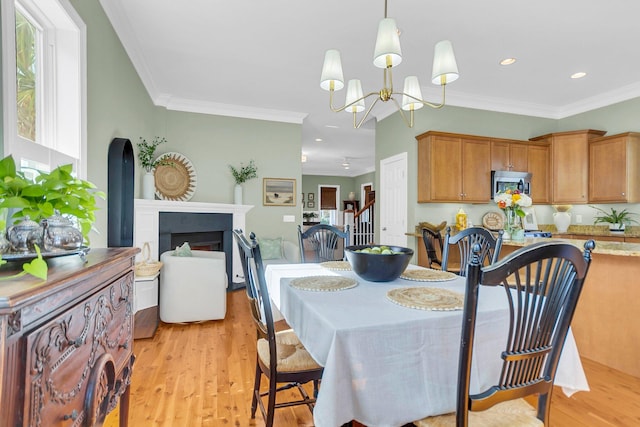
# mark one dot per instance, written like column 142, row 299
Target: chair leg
column 256, row 390
column 271, row 403
column 316, row 384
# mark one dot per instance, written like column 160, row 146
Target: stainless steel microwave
column 510, row 180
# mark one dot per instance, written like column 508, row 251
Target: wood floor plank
column 201, row 374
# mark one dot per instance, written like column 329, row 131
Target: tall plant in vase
column 242, row 175
column 146, row 151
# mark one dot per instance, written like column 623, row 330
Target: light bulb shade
column 354, row 91
column 387, row 44
column 332, row 71
column 444, row 63
column 411, row 87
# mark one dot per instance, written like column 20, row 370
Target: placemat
column 323, row 283
column 423, row 298
column 336, row 265
column 428, row 275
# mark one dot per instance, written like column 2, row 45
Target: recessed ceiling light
column 331, row 126
column 318, row 139
column 304, row 158
column 579, row 75
column 508, row 61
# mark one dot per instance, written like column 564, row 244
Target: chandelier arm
column 365, row 115
column 432, row 105
column 409, row 123
column 338, row 109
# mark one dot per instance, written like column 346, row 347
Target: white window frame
column 329, row 214
column 61, row 129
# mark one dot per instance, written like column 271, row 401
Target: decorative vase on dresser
column 66, row 344
column 148, row 186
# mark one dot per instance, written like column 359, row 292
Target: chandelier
column 387, row 54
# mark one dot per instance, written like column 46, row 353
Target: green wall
column 311, row 182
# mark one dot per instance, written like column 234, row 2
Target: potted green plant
column 242, row 175
column 308, row 216
column 39, row 198
column 146, row 152
column 617, row 220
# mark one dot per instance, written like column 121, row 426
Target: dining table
column 388, row 362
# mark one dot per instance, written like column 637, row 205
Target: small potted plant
column 146, row 151
column 40, row 198
column 242, row 175
column 617, row 220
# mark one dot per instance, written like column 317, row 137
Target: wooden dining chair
column 542, row 284
column 465, row 240
column 433, row 244
column 322, row 241
column 281, row 357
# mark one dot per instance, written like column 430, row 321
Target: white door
column 393, row 200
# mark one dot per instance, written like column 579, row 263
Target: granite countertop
column 602, row 247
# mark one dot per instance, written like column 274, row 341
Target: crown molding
column 229, row 110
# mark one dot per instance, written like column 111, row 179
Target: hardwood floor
column 201, row 374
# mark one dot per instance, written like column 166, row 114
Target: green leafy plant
column 614, row 217
column 37, row 268
column 309, row 215
column 245, row 173
column 146, row 151
column 58, row 190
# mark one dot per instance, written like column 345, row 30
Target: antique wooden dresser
column 66, row 344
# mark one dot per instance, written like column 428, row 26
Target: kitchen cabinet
column 538, row 164
column 614, row 169
column 508, row 155
column 66, row 344
column 570, row 164
column 453, row 168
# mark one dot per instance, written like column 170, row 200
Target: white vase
column 562, row 220
column 237, row 194
column 148, row 186
column 352, row 196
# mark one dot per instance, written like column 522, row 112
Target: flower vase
column 513, row 227
column 237, row 194
column 562, row 220
column 148, row 186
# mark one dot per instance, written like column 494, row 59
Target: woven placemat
column 423, row 298
column 323, row 283
column 428, row 275
column 336, row 265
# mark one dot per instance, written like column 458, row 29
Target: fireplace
column 204, row 231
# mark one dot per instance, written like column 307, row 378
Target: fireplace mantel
column 146, row 223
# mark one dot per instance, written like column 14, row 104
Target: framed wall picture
column 278, row 192
column 311, row 197
column 311, row 205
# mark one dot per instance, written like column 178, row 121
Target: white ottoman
column 193, row 288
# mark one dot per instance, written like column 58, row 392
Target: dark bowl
column 378, row 267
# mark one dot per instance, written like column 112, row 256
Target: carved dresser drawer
column 67, row 350
column 72, row 360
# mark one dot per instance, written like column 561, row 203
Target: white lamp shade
column 354, row 91
column 444, row 63
column 411, row 87
column 332, row 71
column 387, row 44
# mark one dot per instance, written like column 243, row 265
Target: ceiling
column 262, row 59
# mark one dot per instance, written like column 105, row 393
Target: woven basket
column 146, row 267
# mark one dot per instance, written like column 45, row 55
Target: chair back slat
column 324, row 240
column 542, row 284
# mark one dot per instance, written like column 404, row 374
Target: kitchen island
column 605, row 324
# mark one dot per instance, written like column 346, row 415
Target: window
column 44, row 84
column 329, row 196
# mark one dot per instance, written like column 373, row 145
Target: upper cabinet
column 453, row 168
column 538, row 164
column 614, row 169
column 570, row 164
column 508, row 155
